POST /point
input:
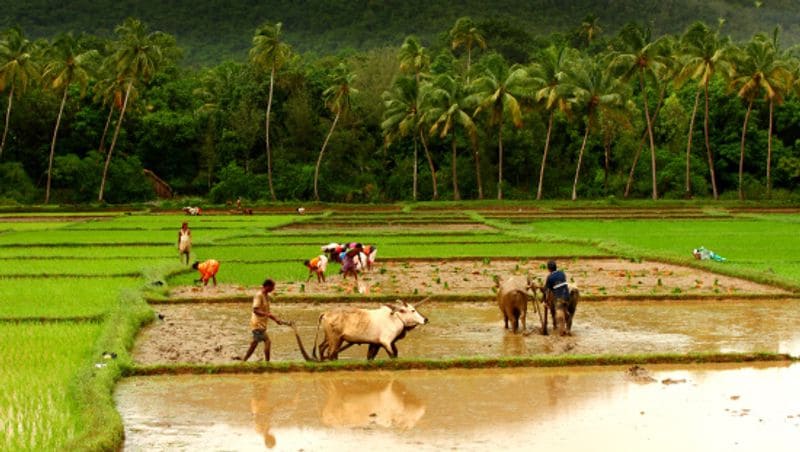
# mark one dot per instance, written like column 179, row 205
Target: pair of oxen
column 512, row 298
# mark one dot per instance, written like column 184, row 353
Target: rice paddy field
column 78, row 290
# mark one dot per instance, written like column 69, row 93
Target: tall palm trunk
column 430, row 164
column 500, row 159
column 8, row 116
column 476, row 156
column 638, row 153
column 708, row 148
column 578, row 166
column 769, row 150
column 544, row 155
column 689, row 145
column 322, row 151
column 741, row 155
column 649, row 134
column 414, row 189
column 102, row 146
column 456, row 194
column 53, row 145
column 114, row 142
column 269, row 154
column 607, row 161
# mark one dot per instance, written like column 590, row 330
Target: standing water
column 661, row 408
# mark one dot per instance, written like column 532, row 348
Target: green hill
column 214, row 30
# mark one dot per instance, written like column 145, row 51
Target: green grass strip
column 456, row 363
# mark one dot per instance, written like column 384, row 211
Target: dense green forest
column 482, row 108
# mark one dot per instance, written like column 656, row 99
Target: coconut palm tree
column 593, row 91
column 548, row 73
column 497, row 91
column 137, row 55
column 17, row 69
column 641, row 56
column 447, row 109
column 402, row 118
column 269, row 52
column 590, row 29
column 414, row 59
column 465, row 34
column 759, row 68
column 68, row 64
column 705, row 54
column 337, row 99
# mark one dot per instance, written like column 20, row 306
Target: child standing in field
column 185, row 242
column 318, row 266
column 208, row 270
column 258, row 320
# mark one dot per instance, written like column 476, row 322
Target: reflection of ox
column 347, row 326
column 361, row 403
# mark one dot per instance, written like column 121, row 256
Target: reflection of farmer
column 208, row 270
column 262, row 409
column 318, row 266
column 556, row 281
column 185, row 242
column 258, row 320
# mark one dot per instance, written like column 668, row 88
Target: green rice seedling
column 248, row 274
column 79, row 267
column 38, row 367
column 60, row 297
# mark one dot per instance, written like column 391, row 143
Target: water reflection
column 363, row 402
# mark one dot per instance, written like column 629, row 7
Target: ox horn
column 425, row 300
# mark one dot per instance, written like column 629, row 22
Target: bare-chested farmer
column 185, row 242
column 258, row 320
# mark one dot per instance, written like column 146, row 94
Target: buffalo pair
column 348, row 326
column 512, row 298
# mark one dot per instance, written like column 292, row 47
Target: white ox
column 381, row 327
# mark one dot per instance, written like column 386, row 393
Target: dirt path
column 612, row 277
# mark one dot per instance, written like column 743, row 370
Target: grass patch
column 60, row 297
column 455, row 363
column 79, row 267
column 38, row 365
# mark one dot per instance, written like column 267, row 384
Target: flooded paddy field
column 594, row 276
column 216, row 332
column 660, row 408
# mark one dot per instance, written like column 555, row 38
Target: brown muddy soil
column 696, row 408
column 594, row 277
column 215, row 332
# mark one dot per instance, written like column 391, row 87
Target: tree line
column 579, row 114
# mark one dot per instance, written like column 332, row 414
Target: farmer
column 208, row 270
column 185, row 242
column 318, row 266
column 556, row 281
column 349, row 257
column 258, row 320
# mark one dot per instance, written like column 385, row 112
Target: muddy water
column 214, row 333
column 698, row 408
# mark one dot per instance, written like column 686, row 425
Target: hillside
column 214, row 30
